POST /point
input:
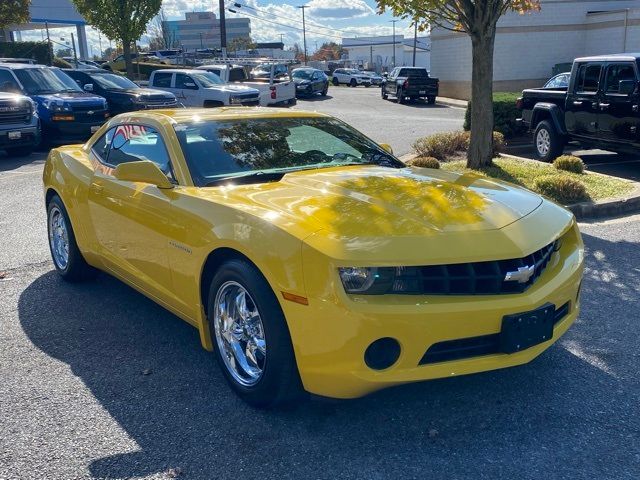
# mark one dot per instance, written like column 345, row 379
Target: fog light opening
column 382, row 353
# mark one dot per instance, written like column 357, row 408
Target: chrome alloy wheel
column 239, row 333
column 58, row 238
column 543, row 142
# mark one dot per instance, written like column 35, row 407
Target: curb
column 452, row 102
column 598, row 210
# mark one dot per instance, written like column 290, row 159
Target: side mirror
column 143, row 171
column 626, row 87
column 387, row 148
column 88, row 87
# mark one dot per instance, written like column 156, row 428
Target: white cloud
column 339, row 9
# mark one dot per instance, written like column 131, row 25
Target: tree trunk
column 480, row 151
column 126, row 51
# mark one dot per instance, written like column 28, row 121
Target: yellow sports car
column 308, row 257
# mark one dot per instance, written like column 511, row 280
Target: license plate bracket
column 422, row 92
column 524, row 330
column 15, row 135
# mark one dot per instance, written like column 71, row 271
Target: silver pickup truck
column 19, row 125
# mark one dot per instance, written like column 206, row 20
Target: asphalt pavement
column 99, row 382
column 385, row 121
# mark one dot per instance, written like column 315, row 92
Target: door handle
column 634, row 108
column 97, row 189
column 577, row 102
column 604, row 106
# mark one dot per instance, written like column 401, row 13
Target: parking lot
column 100, row 382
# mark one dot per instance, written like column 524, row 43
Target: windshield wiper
column 248, row 177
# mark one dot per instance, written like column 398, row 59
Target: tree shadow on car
column 571, row 410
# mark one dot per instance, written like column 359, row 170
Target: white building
column 528, row 46
column 52, row 14
column 377, row 53
column 202, row 30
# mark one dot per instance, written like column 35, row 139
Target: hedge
column 505, row 114
column 39, row 51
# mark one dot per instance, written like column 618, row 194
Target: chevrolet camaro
column 308, row 257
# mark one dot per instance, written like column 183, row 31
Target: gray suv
column 19, row 124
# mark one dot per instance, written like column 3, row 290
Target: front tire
column 547, row 142
column 250, row 335
column 383, row 92
column 67, row 258
column 325, row 90
column 353, row 83
column 335, row 82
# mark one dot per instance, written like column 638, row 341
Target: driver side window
column 134, row 143
column 185, row 81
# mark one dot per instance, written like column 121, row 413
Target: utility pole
column 201, row 45
column 394, row 41
column 304, row 33
column 75, row 55
column 371, row 56
column 223, row 30
column 281, row 35
column 415, row 40
column 46, row 25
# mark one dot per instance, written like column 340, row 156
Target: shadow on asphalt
column 561, row 416
column 11, row 163
column 314, row 98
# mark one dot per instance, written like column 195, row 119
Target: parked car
column 196, row 88
column 19, row 124
column 67, row 114
column 351, row 77
column 296, row 245
column 412, row 83
column 273, row 91
column 559, row 81
column 79, row 64
column 598, row 109
column 121, row 93
column 310, row 81
column 376, row 79
column 28, row 61
column 118, row 63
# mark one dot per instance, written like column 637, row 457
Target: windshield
column 207, row 79
column 304, row 74
column 216, row 151
column 111, row 81
column 46, row 80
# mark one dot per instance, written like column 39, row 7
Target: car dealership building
column 529, row 46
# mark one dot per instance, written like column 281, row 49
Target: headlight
column 57, row 106
column 381, row 280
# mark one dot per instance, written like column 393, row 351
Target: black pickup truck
column 412, row 83
column 599, row 108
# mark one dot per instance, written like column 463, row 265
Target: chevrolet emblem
column 522, row 275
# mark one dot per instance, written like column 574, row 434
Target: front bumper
column 29, row 135
column 78, row 130
column 332, row 333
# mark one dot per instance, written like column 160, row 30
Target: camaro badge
column 522, row 275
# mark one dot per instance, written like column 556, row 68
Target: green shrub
column 145, row 68
column 569, row 163
column 425, row 162
column 443, row 145
column 561, row 188
column 505, row 114
column 39, row 51
column 60, row 63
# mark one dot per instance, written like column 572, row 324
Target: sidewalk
column 452, row 102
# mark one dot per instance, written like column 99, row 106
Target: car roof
column 88, row 70
column 615, row 57
column 20, row 66
column 188, row 115
column 305, row 68
column 178, row 70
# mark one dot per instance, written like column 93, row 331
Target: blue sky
column 327, row 20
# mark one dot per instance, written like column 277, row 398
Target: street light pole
column 394, row 41
column 75, row 55
column 304, row 33
column 415, row 40
column 50, row 52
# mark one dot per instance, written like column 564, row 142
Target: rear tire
column 383, row 92
column 67, row 258
column 353, row 83
column 431, row 100
column 271, row 377
column 19, row 151
column 400, row 96
column 325, row 90
column 547, row 141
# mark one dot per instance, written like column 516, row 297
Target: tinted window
column 588, row 78
column 162, row 79
column 101, row 148
column 111, row 81
column 46, row 80
column 216, row 150
column 133, row 143
column 7, row 82
column 236, row 75
column 185, row 81
column 616, row 73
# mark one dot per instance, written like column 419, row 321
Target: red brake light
column 519, row 103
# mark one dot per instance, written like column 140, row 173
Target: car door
column 391, row 86
column 582, row 105
column 619, row 119
column 132, row 221
column 189, row 89
column 317, row 84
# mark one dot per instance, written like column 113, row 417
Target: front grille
column 158, row 101
column 474, row 346
column 474, row 278
column 96, row 117
column 86, row 108
column 14, row 113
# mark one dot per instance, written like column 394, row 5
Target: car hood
column 236, row 89
column 75, row 97
column 144, row 93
